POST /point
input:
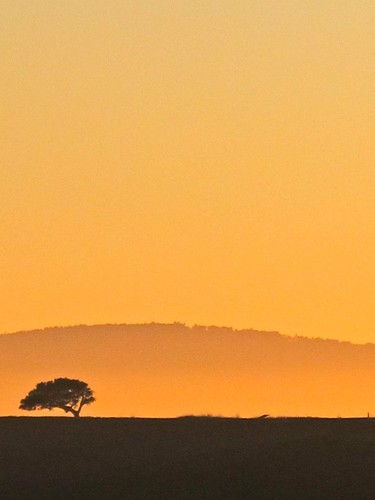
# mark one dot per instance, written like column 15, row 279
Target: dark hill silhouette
column 171, row 369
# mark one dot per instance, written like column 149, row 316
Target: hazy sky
column 204, row 161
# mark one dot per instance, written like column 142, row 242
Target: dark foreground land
column 187, row 458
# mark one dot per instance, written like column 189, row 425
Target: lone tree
column 68, row 394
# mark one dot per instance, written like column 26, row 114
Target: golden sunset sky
column 209, row 162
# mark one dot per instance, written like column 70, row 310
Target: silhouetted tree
column 68, row 394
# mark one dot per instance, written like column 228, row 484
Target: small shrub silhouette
column 67, row 394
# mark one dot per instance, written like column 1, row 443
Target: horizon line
column 190, row 327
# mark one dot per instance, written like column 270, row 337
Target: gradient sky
column 209, row 162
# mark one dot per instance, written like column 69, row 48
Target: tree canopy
column 67, row 394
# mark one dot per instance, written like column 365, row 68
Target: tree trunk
column 69, row 409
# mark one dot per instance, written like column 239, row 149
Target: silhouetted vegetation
column 67, row 394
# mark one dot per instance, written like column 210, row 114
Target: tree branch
column 68, row 408
column 81, row 403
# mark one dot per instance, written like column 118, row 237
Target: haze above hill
column 171, row 369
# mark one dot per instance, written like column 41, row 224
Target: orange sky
column 209, row 162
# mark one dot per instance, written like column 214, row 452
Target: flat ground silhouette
column 187, row 458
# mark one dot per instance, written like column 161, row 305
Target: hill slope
column 168, row 370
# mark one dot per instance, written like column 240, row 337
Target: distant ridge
column 143, row 325
column 209, row 328
column 160, row 369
